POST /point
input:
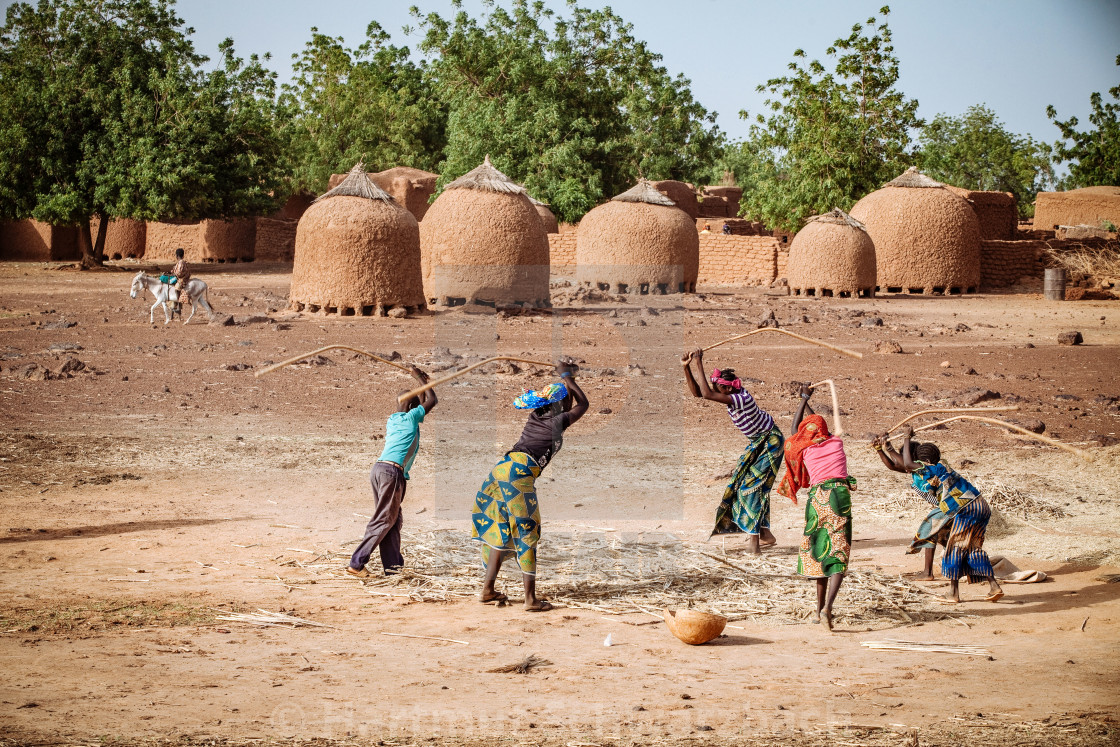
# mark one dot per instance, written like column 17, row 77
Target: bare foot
column 753, row 545
column 826, row 618
column 816, row 617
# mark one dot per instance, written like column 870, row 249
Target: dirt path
column 161, row 487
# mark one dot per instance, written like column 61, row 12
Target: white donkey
column 195, row 291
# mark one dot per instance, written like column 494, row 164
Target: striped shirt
column 747, row 416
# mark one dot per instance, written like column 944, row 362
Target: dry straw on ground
column 645, row 575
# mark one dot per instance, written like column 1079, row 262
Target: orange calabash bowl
column 694, row 627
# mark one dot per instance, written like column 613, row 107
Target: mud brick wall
column 1003, row 263
column 1089, row 206
column 35, row 241
column 739, row 260
column 165, row 238
column 562, row 249
column 782, row 262
column 275, row 240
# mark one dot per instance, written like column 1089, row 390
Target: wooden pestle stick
column 298, row 358
column 842, row 351
column 1005, row 408
column 1012, row 426
column 420, row 390
column 837, row 427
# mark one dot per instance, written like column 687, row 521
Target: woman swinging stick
column 506, row 518
column 745, row 506
column 815, row 459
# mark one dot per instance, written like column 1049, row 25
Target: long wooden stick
column 420, row 390
column 426, row 638
column 842, row 351
column 298, row 358
column 1004, row 424
column 1005, row 408
column 837, row 427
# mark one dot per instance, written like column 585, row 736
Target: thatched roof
column 914, row 179
column 358, row 184
column 644, row 191
column 838, row 217
column 486, row 178
column 535, row 201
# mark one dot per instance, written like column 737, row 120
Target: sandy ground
column 160, row 487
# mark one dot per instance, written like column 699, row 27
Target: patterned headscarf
column 717, row 378
column 550, row 394
column 813, row 430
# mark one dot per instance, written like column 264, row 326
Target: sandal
column 499, row 599
column 994, row 596
column 946, row 600
column 542, row 606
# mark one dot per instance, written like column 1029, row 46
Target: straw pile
column 619, row 575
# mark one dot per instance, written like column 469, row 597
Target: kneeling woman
column 815, row 459
column 745, row 506
column 506, row 517
column 959, row 521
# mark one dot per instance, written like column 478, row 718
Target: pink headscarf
column 717, row 378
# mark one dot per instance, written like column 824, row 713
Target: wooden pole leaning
column 298, row 358
column 1004, row 424
column 810, row 340
column 837, row 427
column 431, row 384
column 904, row 421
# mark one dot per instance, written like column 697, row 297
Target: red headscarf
column 813, row 430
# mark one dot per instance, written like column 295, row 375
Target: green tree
column 575, row 107
column 831, row 136
column 1096, row 152
column 371, row 104
column 975, row 151
column 105, row 111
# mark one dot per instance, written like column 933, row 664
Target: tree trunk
column 90, row 258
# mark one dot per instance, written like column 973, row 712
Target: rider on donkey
column 178, row 278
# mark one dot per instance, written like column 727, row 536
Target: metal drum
column 1054, row 284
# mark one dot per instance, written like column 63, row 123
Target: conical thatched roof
column 358, row 184
column 838, row 217
column 536, row 202
column 486, row 178
column 914, row 179
column 644, row 191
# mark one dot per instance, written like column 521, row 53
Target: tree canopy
column 975, row 151
column 1095, row 153
column 371, row 104
column 575, row 107
column 105, row 111
column 830, row 135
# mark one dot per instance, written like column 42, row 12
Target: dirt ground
column 159, row 486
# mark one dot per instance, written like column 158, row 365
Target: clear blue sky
column 1016, row 56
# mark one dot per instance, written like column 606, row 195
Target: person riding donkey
column 177, row 280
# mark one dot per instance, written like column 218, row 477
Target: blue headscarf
column 547, row 396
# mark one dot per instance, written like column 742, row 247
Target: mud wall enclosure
column 209, row 241
column 124, row 237
column 1089, row 206
column 35, row 241
column 996, row 212
column 275, row 240
column 738, row 260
